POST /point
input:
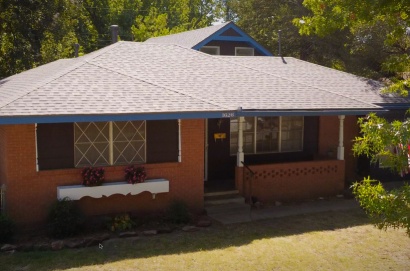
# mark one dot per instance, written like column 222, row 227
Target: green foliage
column 65, row 219
column 121, row 223
column 6, row 228
column 384, row 141
column 37, row 32
column 380, row 29
column 340, row 49
column 387, row 209
column 178, row 213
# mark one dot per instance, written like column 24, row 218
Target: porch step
column 224, row 197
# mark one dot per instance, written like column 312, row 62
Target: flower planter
column 76, row 192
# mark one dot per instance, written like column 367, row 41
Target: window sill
column 76, row 192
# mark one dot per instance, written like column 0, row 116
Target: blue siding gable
column 242, row 37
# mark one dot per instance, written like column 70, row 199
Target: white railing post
column 341, row 148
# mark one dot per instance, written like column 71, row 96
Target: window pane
column 91, row 145
column 129, row 142
column 234, row 138
column 292, row 134
column 267, row 134
column 210, row 50
column 248, row 139
column 248, row 135
column 243, row 51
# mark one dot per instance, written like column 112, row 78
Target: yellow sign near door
column 220, row 136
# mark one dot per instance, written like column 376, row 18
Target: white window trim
column 279, row 139
column 247, row 48
column 218, row 49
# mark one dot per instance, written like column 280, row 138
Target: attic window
column 244, row 51
column 210, row 50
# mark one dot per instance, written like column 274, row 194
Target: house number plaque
column 228, row 115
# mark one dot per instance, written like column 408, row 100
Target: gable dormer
column 223, row 39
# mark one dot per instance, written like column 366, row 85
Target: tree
column 35, row 32
column 386, row 143
column 387, row 209
column 383, row 26
column 380, row 24
column 163, row 17
column 262, row 19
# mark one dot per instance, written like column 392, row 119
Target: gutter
column 180, row 115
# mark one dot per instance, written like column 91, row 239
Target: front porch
column 320, row 176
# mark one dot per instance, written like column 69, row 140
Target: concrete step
column 224, row 197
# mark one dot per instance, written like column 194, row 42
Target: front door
column 221, row 165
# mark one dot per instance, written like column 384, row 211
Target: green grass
column 327, row 241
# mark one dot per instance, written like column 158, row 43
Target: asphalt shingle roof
column 188, row 39
column 136, row 78
column 303, row 72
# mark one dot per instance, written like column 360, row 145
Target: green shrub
column 178, row 213
column 65, row 219
column 121, row 222
column 6, row 229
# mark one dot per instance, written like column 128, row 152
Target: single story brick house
column 187, row 116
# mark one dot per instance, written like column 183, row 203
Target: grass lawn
column 326, row 241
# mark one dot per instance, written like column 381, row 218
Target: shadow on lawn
column 215, row 237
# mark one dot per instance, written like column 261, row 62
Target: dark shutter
column 162, row 141
column 311, row 134
column 55, row 145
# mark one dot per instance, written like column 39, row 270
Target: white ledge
column 76, row 192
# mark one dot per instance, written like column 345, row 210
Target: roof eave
column 314, row 112
column 4, row 120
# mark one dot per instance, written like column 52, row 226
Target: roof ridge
column 319, row 88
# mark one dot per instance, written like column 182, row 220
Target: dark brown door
column 221, row 165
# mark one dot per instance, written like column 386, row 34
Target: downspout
column 35, row 139
column 111, row 140
column 341, row 148
column 179, row 141
column 206, row 151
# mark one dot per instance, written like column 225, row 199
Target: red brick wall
column 30, row 193
column 329, row 140
column 294, row 181
column 3, row 160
